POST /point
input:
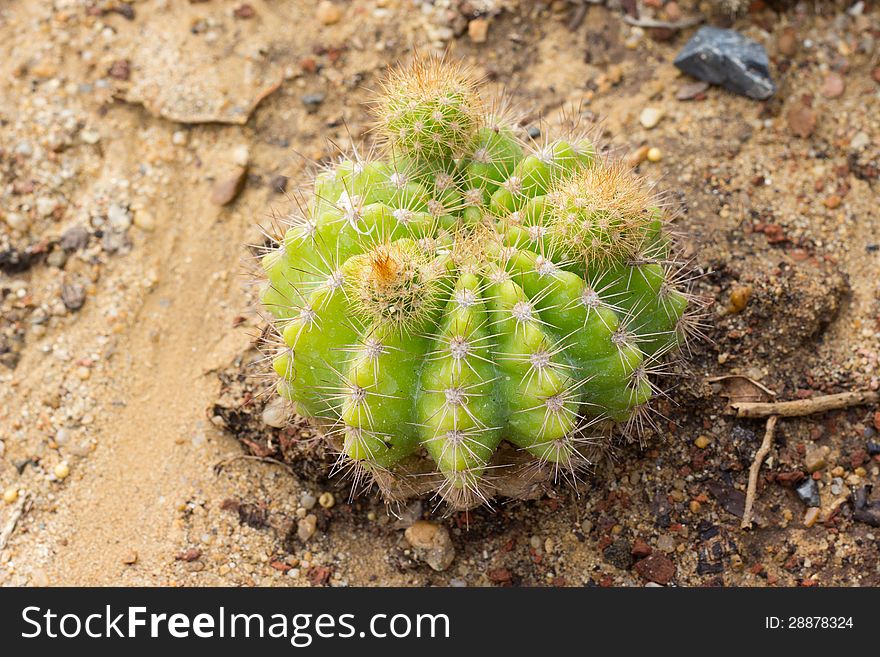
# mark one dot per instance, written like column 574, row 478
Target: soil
column 143, row 145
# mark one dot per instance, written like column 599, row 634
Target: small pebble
column 638, row 156
column 312, row 102
column 278, row 184
column 787, row 43
column 739, row 298
column 691, row 90
column 10, row 495
column 665, row 543
column 57, row 258
column 90, row 137
column 241, row 155
column 815, row 459
column 17, row 221
column 145, row 220
column 650, row 117
column 74, row 239
column 227, row 189
column 478, row 30
column 811, row 516
column 809, row 492
column 801, row 120
column 702, row 442
column 62, row 471
column 307, row 500
column 859, row 141
column 833, row 85
column 326, row 500
column 276, row 413
column 328, row 13
column 118, row 217
column 73, row 296
column 654, row 154
column 306, row 527
column 130, row 558
column 431, row 543
column 46, row 205
column 832, row 202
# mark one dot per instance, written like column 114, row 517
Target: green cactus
column 460, row 290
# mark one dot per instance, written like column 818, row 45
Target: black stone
column 873, row 448
column 13, row 261
column 728, row 59
column 312, row 102
column 278, row 184
column 809, row 492
column 865, row 511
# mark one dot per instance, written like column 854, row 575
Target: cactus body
column 462, row 290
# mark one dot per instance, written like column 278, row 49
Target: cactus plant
column 461, row 293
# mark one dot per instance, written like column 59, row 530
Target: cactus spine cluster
column 461, row 291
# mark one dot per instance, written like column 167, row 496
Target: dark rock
column 727, row 58
column 14, row 261
column 312, row 102
column 733, row 500
column 73, row 296
column 74, row 239
column 873, row 448
column 619, row 554
column 126, row 10
column 656, row 568
column 867, row 512
column 809, row 492
column 278, row 184
column 534, row 132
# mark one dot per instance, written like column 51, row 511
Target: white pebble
column 46, row 206
column 308, row 500
column 650, row 117
column 62, row 470
column 241, row 155
column 276, row 414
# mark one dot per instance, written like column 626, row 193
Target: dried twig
column 21, row 507
column 727, row 377
column 805, row 406
column 651, row 22
column 755, row 469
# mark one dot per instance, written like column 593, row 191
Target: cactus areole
column 464, row 307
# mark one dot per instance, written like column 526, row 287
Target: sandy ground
column 124, row 345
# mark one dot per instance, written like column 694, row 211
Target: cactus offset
column 461, row 292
